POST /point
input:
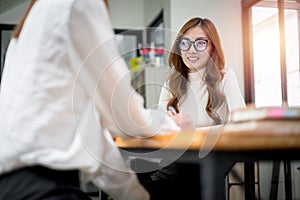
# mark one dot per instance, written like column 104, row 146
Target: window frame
column 248, row 44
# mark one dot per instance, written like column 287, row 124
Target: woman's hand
column 183, row 120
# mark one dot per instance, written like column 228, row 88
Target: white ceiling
column 6, row 5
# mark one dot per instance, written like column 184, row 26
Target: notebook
column 265, row 113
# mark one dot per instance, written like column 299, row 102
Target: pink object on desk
column 276, row 113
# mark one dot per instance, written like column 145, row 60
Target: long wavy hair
column 178, row 79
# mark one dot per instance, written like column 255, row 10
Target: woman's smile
column 193, row 58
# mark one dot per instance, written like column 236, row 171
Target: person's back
column 39, row 77
column 63, row 95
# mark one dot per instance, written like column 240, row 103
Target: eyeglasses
column 199, row 44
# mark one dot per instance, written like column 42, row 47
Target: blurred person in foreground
column 65, row 94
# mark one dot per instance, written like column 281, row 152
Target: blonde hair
column 178, row 81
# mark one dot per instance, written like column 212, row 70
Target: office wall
column 139, row 13
column 226, row 15
column 12, row 16
column 127, row 14
column 152, row 9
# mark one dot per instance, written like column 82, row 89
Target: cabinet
column 148, row 82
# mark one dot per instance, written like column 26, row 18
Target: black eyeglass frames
column 199, row 44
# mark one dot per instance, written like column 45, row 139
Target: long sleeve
column 73, row 94
column 106, row 80
column 106, row 77
column 164, row 97
column 196, row 98
column 232, row 91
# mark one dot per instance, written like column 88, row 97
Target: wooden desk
column 218, row 149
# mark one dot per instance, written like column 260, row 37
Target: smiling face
column 192, row 58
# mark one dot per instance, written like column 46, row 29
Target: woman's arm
column 164, row 97
column 106, row 78
column 232, row 91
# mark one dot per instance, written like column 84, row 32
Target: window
column 271, row 43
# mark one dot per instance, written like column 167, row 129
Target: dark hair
column 178, row 81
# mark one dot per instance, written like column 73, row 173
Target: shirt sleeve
column 106, row 78
column 164, row 97
column 103, row 74
column 232, row 91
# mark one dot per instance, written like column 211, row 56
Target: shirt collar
column 197, row 76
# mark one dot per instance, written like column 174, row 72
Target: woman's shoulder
column 228, row 72
column 229, row 75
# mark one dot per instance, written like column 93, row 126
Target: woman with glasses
column 201, row 86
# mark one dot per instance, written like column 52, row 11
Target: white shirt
column 66, row 91
column 196, row 97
